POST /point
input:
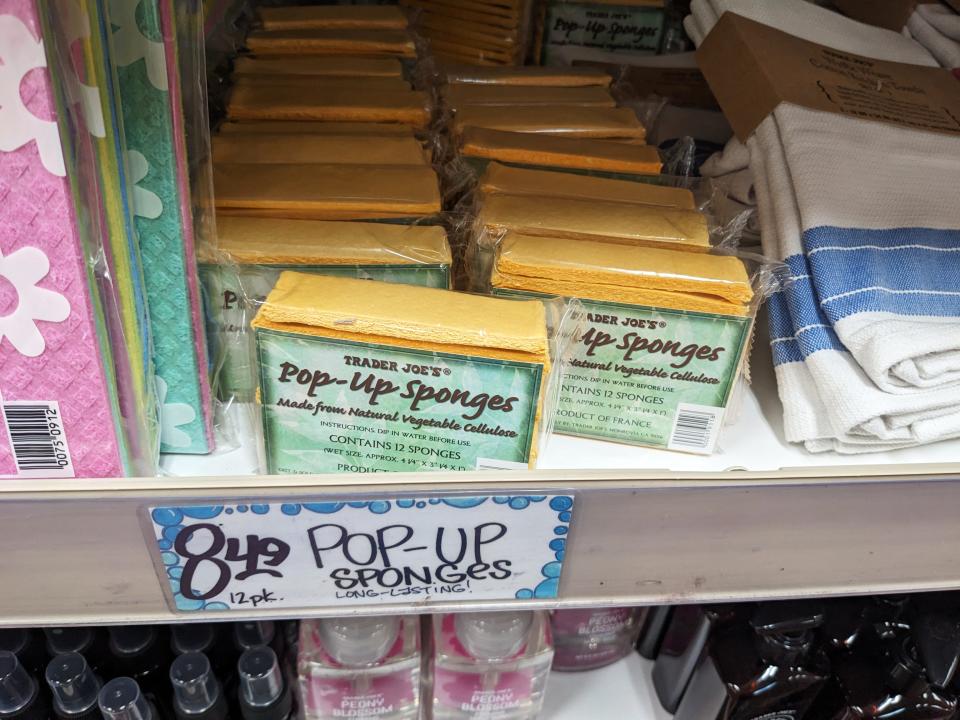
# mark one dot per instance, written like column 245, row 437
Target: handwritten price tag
column 303, row 555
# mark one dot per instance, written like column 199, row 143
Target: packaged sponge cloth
column 665, row 339
column 358, row 376
column 331, row 41
column 399, row 193
column 586, row 156
column 354, row 17
column 252, row 252
column 629, row 223
column 279, row 148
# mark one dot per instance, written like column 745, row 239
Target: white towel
column 867, row 339
column 944, row 47
column 943, row 18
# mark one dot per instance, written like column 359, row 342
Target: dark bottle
column 683, row 645
column 218, row 646
column 653, row 629
column 883, row 679
column 28, row 646
column 141, row 652
column 890, row 614
column 86, row 641
column 20, row 696
column 197, row 694
column 843, row 621
column 73, row 687
column 121, row 699
column 247, row 635
column 768, row 669
column 264, row 694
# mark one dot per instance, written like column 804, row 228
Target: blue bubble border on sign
column 168, row 521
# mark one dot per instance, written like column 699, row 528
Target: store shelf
column 617, row 692
column 760, row 520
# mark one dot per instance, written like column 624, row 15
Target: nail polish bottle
column 20, row 696
column 490, row 665
column 74, row 688
column 264, row 692
column 683, row 646
column 769, row 668
column 653, row 629
column 121, row 699
column 360, row 667
column 883, row 679
column 197, row 694
column 28, row 646
column 141, row 652
column 589, row 639
column 87, row 641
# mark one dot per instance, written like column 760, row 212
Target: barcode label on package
column 695, row 428
column 38, row 440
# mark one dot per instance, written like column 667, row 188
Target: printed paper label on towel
column 624, row 28
column 752, row 68
column 333, row 405
column 38, row 439
column 237, row 295
column 640, row 374
column 318, row 554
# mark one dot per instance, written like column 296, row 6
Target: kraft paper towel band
column 49, row 344
column 168, row 19
column 148, row 124
column 132, row 345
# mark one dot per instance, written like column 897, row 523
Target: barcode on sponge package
column 38, row 440
column 695, row 428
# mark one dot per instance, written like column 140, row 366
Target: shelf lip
column 77, row 554
column 387, row 483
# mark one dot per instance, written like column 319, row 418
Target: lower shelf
column 617, row 692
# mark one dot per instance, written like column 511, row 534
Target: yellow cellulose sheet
column 438, row 319
column 620, row 268
column 326, row 192
column 396, row 43
column 332, row 16
column 268, row 102
column 324, row 66
column 509, row 180
column 309, row 127
column 460, row 95
column 567, row 120
column 561, row 152
column 270, row 241
column 627, row 223
column 321, row 85
column 532, row 76
column 322, row 149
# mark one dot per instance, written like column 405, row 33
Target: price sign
column 303, row 555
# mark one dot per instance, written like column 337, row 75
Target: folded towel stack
column 936, row 26
column 866, row 339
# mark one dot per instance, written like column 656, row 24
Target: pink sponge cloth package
column 57, row 395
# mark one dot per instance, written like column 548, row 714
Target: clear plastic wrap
column 676, row 212
column 323, row 149
column 336, row 104
column 327, row 192
column 331, row 41
column 359, row 376
column 75, row 382
column 666, row 332
column 526, row 76
column 254, row 251
column 144, row 54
